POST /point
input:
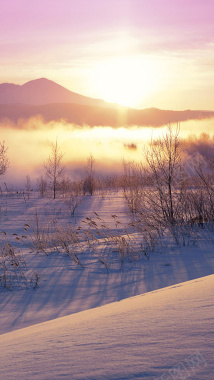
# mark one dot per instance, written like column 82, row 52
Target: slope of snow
column 164, row 334
column 65, row 288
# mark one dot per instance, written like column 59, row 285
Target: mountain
column 99, row 116
column 45, row 98
column 43, row 91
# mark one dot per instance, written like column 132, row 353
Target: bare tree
column 41, row 185
column 28, row 186
column 163, row 158
column 65, row 186
column 54, row 168
column 163, row 196
column 201, row 195
column 89, row 182
column 72, row 202
column 132, row 183
column 4, row 162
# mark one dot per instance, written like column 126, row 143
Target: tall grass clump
column 12, row 265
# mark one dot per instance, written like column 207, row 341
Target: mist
column 29, row 146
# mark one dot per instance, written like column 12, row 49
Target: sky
column 139, row 53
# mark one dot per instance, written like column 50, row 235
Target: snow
column 146, row 336
column 141, row 322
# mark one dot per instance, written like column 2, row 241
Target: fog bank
column 29, row 146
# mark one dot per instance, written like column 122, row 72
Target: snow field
column 155, row 335
column 143, row 320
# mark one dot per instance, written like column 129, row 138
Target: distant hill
column 51, row 101
column 99, row 116
column 43, row 91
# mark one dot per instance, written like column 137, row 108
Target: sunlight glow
column 127, row 81
column 108, row 145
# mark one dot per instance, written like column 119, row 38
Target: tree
column 89, row 182
column 28, row 186
column 54, row 168
column 41, row 185
column 163, row 159
column 163, row 198
column 201, row 194
column 132, row 183
column 72, row 202
column 4, row 162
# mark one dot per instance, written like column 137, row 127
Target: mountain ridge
column 51, row 101
column 79, row 114
column 43, row 91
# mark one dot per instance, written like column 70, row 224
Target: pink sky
column 77, row 43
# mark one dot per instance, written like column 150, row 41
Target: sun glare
column 128, row 81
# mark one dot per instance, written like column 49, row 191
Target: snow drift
column 164, row 334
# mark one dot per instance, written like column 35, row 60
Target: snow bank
column 164, row 334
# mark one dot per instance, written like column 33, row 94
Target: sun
column 127, row 81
